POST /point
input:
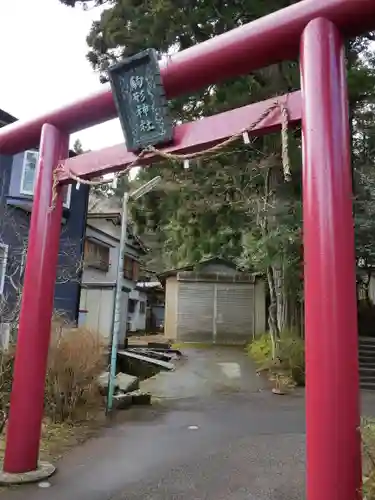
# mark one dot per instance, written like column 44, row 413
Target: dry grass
column 74, row 408
column 76, row 359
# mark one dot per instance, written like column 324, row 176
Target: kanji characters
column 136, row 82
column 139, row 96
column 142, row 110
column 146, row 126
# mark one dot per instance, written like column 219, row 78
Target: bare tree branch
column 14, row 229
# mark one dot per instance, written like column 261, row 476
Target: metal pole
column 27, row 398
column 332, row 378
column 118, row 303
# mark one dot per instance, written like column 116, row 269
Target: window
column 30, row 161
column 28, row 177
column 131, row 306
column 96, row 255
column 131, row 268
column 142, row 307
column 3, row 265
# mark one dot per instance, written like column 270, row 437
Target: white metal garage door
column 234, row 312
column 215, row 312
column 195, row 309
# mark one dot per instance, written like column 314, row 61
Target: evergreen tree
column 236, row 205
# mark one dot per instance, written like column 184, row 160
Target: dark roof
column 6, row 118
column 192, row 267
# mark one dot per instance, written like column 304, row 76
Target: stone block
column 122, row 401
column 127, row 383
column 140, row 398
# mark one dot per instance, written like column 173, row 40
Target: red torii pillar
column 27, row 398
column 331, row 332
column 332, row 389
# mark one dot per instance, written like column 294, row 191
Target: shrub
column 76, row 359
column 6, row 376
column 260, row 349
column 368, row 450
column 290, row 354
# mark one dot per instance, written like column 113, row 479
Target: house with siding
column 102, row 246
column 17, row 184
column 213, row 302
column 155, row 309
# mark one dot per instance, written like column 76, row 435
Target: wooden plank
column 151, row 353
column 164, row 365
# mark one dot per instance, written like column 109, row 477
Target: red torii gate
column 332, row 389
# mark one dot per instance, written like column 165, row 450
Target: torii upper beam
column 263, row 42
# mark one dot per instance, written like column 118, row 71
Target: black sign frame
column 140, row 101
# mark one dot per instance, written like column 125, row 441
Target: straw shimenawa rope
column 214, row 150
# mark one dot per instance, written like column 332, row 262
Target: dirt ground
column 58, row 438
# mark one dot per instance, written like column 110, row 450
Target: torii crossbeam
column 332, row 379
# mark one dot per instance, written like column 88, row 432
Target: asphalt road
column 232, row 440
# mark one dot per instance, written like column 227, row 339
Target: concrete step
column 367, row 366
column 368, row 386
column 366, row 346
column 367, row 379
column 367, row 371
column 366, row 360
column 366, row 354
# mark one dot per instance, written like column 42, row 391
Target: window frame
column 133, row 268
column 26, row 192
column 100, row 265
column 24, row 163
column 3, row 267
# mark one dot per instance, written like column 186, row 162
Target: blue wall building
column 17, row 182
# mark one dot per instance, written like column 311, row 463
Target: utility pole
column 135, row 195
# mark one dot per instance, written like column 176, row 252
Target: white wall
column 112, row 239
column 99, row 300
column 99, row 303
column 137, row 319
column 371, row 290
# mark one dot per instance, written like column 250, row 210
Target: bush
column 6, row 376
column 290, row 354
column 260, row 349
column 368, row 450
column 76, row 359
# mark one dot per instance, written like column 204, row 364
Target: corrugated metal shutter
column 234, row 312
column 195, row 311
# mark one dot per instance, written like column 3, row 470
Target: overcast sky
column 43, row 64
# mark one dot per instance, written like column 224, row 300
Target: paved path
column 215, row 434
